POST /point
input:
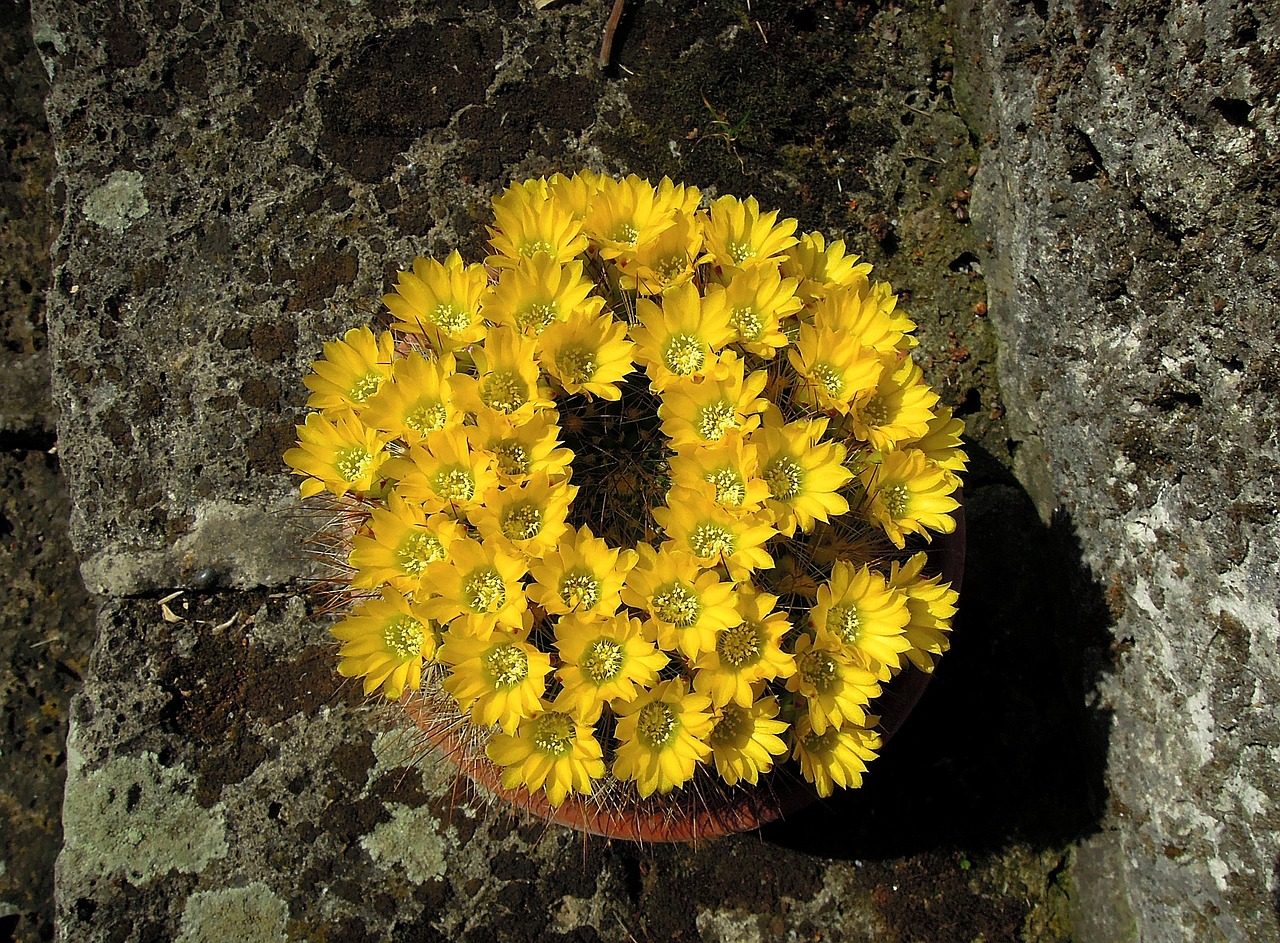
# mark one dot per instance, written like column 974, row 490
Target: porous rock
column 238, row 191
column 1130, row 193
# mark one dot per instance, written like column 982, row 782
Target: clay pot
column 691, row 814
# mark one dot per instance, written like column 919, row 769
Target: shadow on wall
column 1002, row 748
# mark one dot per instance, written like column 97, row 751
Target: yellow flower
column 529, row 222
column 804, row 474
column 758, row 299
column 604, row 660
column 931, row 604
column 520, row 450
column 702, row 411
column 728, row 472
column 908, row 496
column 898, row 410
column 352, row 370
column 836, row 757
column 737, row 234
column 418, row 400
column 863, row 314
column 588, row 354
column 338, row 455
column 745, row 739
column 583, row 575
column 680, row 197
column 499, row 679
column 680, row 338
column 662, row 737
column 440, row 302
column 385, row 641
column 887, row 302
column 626, row 214
column 529, row 518
column 538, row 292
column 401, row 542
column 665, row 262
column 714, row 535
column 941, row 444
column 858, row 610
column 550, row 751
column 837, row 688
column 834, row 368
column 745, row 653
column 444, row 472
column 479, row 586
column 821, row 267
column 687, row 605
column 508, row 378
column 575, row 194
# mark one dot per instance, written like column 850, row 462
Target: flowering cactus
column 633, row 497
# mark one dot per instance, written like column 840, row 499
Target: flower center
column 747, row 322
column 417, row 550
column 602, row 661
column 733, row 729
column 522, row 522
column 352, row 462
column 844, row 622
column 822, row 744
column 678, row 605
column 507, row 665
column 710, row 540
column 875, row 411
column 453, row 484
column 513, row 459
column 427, row 417
column 670, row 268
column 819, row 669
column 484, row 591
column 403, row 637
column 578, row 364
column 741, row 645
column 715, row 419
column 656, row 725
column 365, row 387
column 785, row 478
column 625, row 233
column 451, row 318
column 552, row 734
column 530, row 249
column 741, row 251
column 829, row 379
column 503, row 391
column 895, row 501
column 684, row 354
column 731, row 490
column 537, row 316
column 580, row 588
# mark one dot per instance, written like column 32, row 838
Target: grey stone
column 1129, row 191
column 289, row 160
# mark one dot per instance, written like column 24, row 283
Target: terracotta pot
column 690, row 814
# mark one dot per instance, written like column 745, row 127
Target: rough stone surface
column 242, row 180
column 46, row 622
column 1130, row 190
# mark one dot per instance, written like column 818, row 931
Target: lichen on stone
column 249, row 914
column 136, row 819
column 411, row 839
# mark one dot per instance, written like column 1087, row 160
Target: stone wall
column 1129, row 190
column 242, row 180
